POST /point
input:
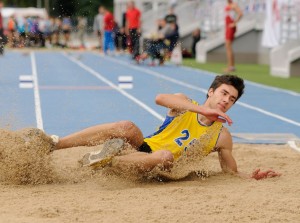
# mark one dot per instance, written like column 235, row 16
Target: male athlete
column 186, row 121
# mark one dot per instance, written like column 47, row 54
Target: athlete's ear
column 210, row 92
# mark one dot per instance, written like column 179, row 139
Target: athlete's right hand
column 216, row 115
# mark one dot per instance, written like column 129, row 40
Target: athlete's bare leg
column 230, row 56
column 144, row 162
column 98, row 134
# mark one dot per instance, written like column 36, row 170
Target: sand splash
column 24, row 157
column 192, row 164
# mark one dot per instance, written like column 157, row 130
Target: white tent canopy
column 24, row 12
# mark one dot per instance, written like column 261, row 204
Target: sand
column 39, row 186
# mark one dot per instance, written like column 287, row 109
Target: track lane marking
column 37, row 99
column 156, row 74
column 129, row 96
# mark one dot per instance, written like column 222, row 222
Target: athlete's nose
column 226, row 99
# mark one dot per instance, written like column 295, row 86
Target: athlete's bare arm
column 238, row 11
column 228, row 163
column 224, row 145
column 180, row 102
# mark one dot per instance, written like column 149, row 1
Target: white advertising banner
column 271, row 33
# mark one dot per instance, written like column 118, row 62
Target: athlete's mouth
column 223, row 107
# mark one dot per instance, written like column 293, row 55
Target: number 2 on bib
column 186, row 136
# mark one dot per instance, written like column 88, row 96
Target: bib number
column 186, row 136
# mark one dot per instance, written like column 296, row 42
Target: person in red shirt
column 232, row 15
column 109, row 23
column 133, row 28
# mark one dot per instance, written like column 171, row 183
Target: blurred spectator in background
column 56, row 30
column 42, row 31
column 109, row 23
column 171, row 20
column 2, row 37
column 98, row 26
column 120, row 38
column 133, row 28
column 233, row 14
column 47, row 32
column 11, row 29
column 173, row 3
column 171, row 17
column 21, row 29
column 32, row 31
column 196, row 38
column 128, row 40
column 66, row 28
column 81, row 28
column 159, row 44
column 172, row 36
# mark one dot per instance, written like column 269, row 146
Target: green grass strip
column 253, row 72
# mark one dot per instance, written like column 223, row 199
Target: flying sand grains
column 192, row 162
column 24, row 157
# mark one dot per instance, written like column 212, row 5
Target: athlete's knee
column 130, row 132
column 126, row 126
column 166, row 158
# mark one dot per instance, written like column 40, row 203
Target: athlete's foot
column 229, row 69
column 104, row 156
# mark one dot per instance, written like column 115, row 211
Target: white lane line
column 156, row 74
column 37, row 100
column 248, row 82
column 100, row 77
column 269, row 113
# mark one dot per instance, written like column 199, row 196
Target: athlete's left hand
column 259, row 175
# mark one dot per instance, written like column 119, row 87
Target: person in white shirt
column 98, row 25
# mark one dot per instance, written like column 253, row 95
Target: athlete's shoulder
column 225, row 133
column 225, row 139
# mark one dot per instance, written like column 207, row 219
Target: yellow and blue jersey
column 177, row 133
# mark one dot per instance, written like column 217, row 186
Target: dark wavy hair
column 233, row 80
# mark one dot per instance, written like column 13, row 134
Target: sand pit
column 57, row 189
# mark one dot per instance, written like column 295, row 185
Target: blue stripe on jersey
column 166, row 122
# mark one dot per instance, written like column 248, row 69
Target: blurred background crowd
column 148, row 29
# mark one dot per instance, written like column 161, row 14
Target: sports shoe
column 104, row 156
column 55, row 139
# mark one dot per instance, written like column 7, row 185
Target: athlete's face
column 223, row 97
